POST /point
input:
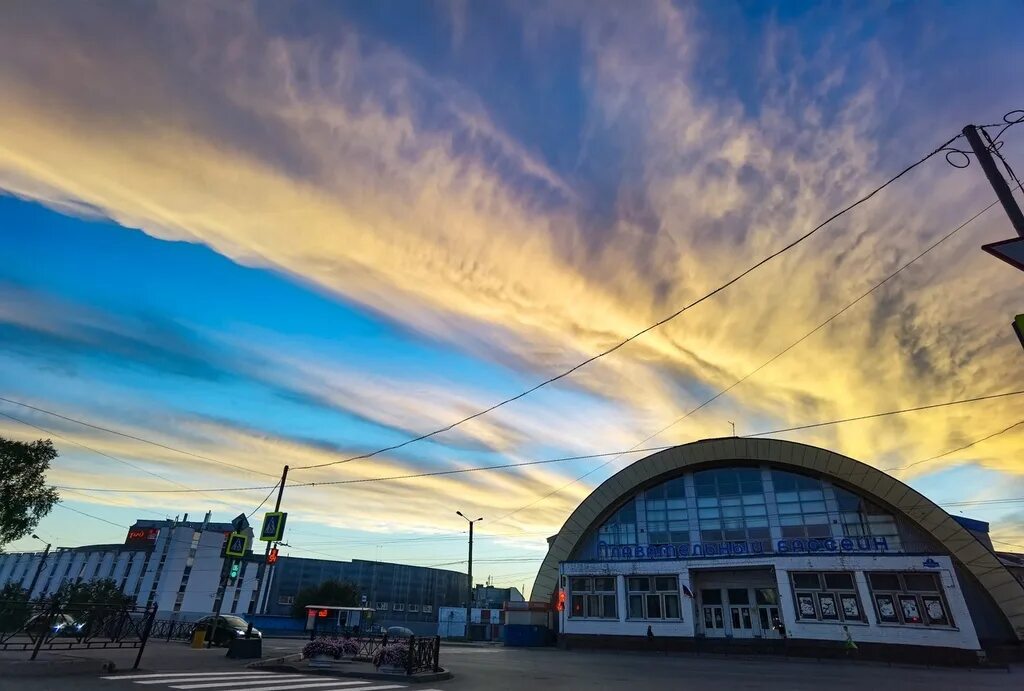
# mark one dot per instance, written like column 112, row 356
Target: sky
column 265, row 233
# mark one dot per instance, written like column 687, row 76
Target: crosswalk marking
column 222, row 681
column 305, row 683
column 254, row 676
column 332, row 684
column 183, row 674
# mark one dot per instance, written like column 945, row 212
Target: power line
column 961, row 448
column 133, row 437
column 766, row 363
column 563, row 459
column 653, row 326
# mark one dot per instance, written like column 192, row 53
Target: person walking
column 849, row 645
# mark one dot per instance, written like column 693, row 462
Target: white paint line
column 229, row 679
column 332, row 684
column 190, row 674
column 252, row 683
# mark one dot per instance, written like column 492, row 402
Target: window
column 286, row 600
column 593, row 598
column 428, row 609
column 861, row 518
column 913, row 598
column 666, row 513
column 829, row 596
column 414, row 609
column 620, row 529
column 653, row 597
column 801, row 503
column 382, row 607
column 731, row 505
column 399, row 607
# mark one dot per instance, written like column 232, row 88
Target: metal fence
column 172, row 630
column 55, row 625
column 423, row 656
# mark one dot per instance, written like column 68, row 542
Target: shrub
column 393, row 654
column 320, row 646
column 347, row 646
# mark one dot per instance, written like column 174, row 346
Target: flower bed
column 320, row 647
column 392, row 655
column 347, row 647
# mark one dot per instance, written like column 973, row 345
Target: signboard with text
column 736, row 549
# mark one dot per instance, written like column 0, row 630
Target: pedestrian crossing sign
column 273, row 526
column 238, row 543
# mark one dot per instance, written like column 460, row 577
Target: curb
column 287, row 665
column 55, row 668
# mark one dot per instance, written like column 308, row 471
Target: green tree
column 100, row 591
column 24, row 495
column 14, row 607
column 333, row 593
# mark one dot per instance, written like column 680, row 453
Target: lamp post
column 469, row 598
column 39, row 569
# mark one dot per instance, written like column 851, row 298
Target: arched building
column 728, row 538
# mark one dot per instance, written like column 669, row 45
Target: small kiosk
column 332, row 619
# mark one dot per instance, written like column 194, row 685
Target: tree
column 100, row 591
column 332, row 593
column 24, row 495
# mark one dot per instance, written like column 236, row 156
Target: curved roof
column 872, row 483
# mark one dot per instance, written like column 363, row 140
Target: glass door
column 768, row 613
column 740, row 613
column 713, row 613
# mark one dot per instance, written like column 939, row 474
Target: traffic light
column 236, row 568
column 561, row 601
column 272, row 556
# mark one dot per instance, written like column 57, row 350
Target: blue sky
column 274, row 233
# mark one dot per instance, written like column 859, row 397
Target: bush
column 320, row 646
column 347, row 647
column 393, row 654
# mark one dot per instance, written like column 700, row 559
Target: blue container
column 528, row 636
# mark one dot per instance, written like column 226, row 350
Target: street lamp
column 469, row 599
column 39, row 569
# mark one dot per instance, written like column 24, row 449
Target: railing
column 167, row 629
column 424, row 651
column 424, row 654
column 55, row 625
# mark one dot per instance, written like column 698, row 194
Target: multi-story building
column 401, row 594
column 175, row 565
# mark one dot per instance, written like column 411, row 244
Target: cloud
column 337, row 160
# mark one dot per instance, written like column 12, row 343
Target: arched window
column 801, row 503
column 667, row 520
column 620, row 529
column 731, row 505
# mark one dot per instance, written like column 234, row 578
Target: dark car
column 399, row 632
column 228, row 628
column 59, row 625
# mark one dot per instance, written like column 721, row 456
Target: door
column 714, row 621
column 769, row 618
column 742, row 622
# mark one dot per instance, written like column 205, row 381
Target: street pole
column 263, row 592
column 469, row 594
column 995, row 178
column 39, row 570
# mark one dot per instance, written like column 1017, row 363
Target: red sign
column 322, row 614
column 272, row 556
column 142, row 535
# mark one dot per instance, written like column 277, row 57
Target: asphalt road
column 511, row 669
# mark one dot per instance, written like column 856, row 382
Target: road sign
column 238, row 543
column 273, row 526
column 1010, row 251
column 272, row 556
column 1018, row 326
column 240, row 522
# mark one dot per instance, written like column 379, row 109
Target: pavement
column 495, row 668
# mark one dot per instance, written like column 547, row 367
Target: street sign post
column 238, row 544
column 273, row 526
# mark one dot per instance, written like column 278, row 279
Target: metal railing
column 424, row 651
column 172, row 630
column 55, row 625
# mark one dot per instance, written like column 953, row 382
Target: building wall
column 384, row 585
column 961, row 635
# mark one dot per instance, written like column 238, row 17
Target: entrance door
column 768, row 616
column 741, row 614
column 713, row 613
column 714, row 621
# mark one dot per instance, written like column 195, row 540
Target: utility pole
column 39, row 569
column 469, row 594
column 262, row 589
column 1010, row 251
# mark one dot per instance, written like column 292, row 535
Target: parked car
column 60, row 625
column 228, row 628
column 399, row 632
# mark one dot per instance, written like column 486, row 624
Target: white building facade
column 174, row 565
column 736, row 540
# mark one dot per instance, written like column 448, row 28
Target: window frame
column 919, row 597
column 827, row 602
column 652, row 594
column 591, row 598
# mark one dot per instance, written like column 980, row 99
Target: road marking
column 239, row 676
column 259, row 683
column 336, row 684
column 190, row 674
